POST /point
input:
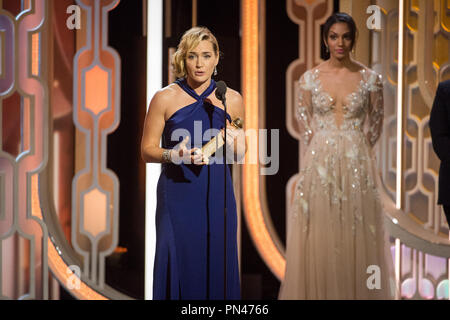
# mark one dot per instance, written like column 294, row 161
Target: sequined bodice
column 317, row 110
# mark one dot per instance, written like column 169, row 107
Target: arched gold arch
column 309, row 15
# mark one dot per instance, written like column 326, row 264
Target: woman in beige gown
column 336, row 246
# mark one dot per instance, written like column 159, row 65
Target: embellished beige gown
column 336, row 245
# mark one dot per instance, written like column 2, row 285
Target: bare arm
column 236, row 137
column 153, row 129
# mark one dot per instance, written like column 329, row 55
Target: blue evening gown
column 189, row 258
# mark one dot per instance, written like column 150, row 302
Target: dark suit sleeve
column 440, row 125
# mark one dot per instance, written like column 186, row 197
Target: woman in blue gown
column 189, row 259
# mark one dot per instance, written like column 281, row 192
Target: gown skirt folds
column 189, row 258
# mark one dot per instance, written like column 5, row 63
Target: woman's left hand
column 232, row 134
column 198, row 157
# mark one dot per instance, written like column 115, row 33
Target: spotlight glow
column 154, row 83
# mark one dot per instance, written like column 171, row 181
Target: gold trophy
column 215, row 143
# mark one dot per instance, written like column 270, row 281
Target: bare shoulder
column 373, row 79
column 167, row 93
column 234, row 96
column 164, row 96
column 359, row 66
column 321, row 66
column 235, row 102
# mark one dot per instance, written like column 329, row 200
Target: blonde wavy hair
column 189, row 41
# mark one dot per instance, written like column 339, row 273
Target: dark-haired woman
column 336, row 245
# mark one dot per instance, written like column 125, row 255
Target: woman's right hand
column 181, row 154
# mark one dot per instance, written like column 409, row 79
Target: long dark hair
column 340, row 17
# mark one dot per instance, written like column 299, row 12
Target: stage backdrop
column 71, row 178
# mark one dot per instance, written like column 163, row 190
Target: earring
column 215, row 71
column 326, row 49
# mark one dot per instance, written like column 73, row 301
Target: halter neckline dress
column 189, row 258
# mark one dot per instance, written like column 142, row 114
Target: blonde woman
column 189, row 260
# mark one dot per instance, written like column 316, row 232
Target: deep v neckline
column 345, row 100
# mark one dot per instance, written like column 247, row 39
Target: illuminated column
column 154, row 83
column 258, row 226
